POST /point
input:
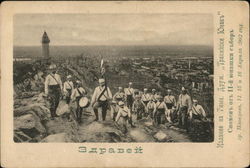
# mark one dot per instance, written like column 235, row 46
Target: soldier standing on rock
column 53, row 89
column 101, row 96
column 68, row 88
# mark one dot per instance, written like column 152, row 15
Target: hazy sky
column 114, row 29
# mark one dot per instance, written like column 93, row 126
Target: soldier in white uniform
column 160, row 111
column 170, row 102
column 154, row 95
column 124, row 115
column 150, row 108
column 145, row 97
column 76, row 95
column 120, row 95
column 53, row 89
column 68, row 87
column 197, row 111
column 101, row 96
column 129, row 95
column 184, row 106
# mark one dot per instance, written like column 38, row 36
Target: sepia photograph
column 113, row 78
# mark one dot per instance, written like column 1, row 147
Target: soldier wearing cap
column 153, row 95
column 100, row 98
column 129, row 95
column 124, row 115
column 120, row 95
column 53, row 89
column 68, row 87
column 138, row 107
column 76, row 95
column 197, row 111
column 160, row 110
column 145, row 96
column 170, row 102
column 184, row 106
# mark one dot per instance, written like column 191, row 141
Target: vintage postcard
column 125, row 84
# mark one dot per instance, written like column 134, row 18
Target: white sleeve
column 109, row 93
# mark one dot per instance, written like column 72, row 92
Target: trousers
column 160, row 116
column 78, row 109
column 68, row 95
column 104, row 107
column 54, row 98
column 129, row 101
column 183, row 115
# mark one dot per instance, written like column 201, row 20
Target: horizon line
column 116, row 45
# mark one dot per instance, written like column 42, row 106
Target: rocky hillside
column 32, row 116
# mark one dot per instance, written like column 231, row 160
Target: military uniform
column 68, row 87
column 145, row 98
column 171, row 104
column 77, row 94
column 119, row 96
column 102, row 102
column 129, row 95
column 160, row 110
column 184, row 106
column 53, row 88
column 139, row 108
column 151, row 108
column 124, row 115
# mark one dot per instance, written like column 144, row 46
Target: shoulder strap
column 195, row 110
column 69, row 84
column 129, row 91
column 54, row 78
column 79, row 92
column 170, row 99
column 102, row 93
column 158, row 105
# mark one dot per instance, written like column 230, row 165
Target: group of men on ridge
column 125, row 103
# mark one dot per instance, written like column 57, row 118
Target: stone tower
column 45, row 45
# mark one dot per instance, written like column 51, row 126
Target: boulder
column 61, row 137
column 30, row 125
column 139, row 135
column 38, row 108
column 160, row 136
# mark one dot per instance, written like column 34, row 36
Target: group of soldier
column 125, row 103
